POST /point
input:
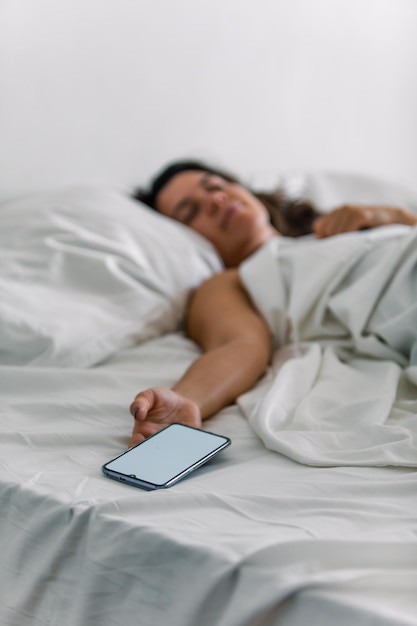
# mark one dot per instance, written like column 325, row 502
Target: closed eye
column 189, row 213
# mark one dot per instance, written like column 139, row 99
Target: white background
column 109, row 90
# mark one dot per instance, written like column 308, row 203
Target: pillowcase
column 87, row 271
column 328, row 190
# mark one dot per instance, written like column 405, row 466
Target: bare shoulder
column 228, row 279
column 221, row 310
column 223, row 290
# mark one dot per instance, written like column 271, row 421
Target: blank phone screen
column 167, row 454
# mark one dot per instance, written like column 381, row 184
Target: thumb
column 318, row 226
column 142, row 404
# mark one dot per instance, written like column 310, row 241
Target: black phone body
column 166, row 457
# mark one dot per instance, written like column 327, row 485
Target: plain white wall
column 109, row 90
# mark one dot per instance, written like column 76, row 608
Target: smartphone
column 166, row 457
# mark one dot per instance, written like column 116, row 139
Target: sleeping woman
column 238, row 316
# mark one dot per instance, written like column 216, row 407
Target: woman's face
column 225, row 213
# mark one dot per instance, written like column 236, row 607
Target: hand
column 155, row 408
column 351, row 217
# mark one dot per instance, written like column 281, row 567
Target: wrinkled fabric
column 343, row 389
column 250, row 538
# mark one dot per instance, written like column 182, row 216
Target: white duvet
column 343, row 391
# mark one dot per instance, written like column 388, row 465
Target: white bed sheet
column 344, row 391
column 253, row 538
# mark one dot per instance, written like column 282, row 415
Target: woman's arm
column 352, row 217
column 237, row 347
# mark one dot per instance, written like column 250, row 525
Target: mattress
column 252, row 538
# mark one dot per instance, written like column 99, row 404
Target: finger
column 135, row 439
column 336, row 223
column 143, row 430
column 350, row 218
column 141, row 405
column 323, row 226
column 319, row 226
column 341, row 225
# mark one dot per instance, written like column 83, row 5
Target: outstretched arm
column 237, row 347
column 352, row 217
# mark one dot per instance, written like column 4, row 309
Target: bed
column 93, row 288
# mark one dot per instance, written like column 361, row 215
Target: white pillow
column 86, row 271
column 327, row 190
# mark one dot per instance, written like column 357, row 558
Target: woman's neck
column 255, row 244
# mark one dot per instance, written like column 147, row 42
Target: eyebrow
column 182, row 203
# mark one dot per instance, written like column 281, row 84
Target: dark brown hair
column 291, row 217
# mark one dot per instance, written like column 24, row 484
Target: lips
column 233, row 208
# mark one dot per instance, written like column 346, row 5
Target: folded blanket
column 343, row 390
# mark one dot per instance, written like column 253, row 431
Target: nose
column 215, row 201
